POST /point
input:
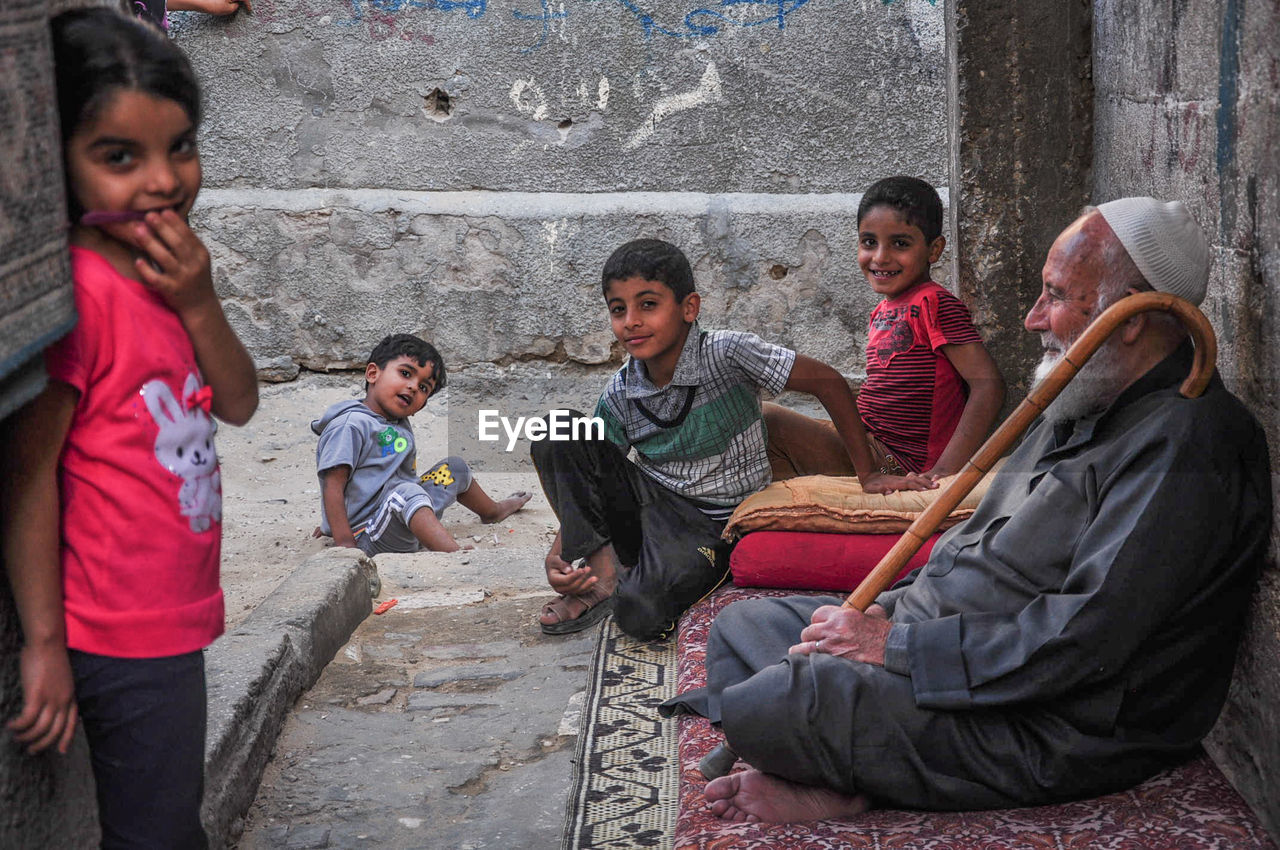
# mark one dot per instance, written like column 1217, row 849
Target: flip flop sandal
column 585, row 620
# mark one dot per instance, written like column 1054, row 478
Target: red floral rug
column 1191, row 806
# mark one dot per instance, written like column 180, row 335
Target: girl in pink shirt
column 112, row 525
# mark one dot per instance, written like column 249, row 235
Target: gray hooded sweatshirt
column 380, row 452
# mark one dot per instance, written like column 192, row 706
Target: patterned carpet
column 1191, row 807
column 633, row 771
column 624, row 792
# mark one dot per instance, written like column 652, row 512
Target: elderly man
column 1076, row 634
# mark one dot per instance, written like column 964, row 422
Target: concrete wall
column 462, row 169
column 313, row 277
column 1021, row 116
column 1188, row 106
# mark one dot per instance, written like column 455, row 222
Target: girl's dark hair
column 651, row 259
column 915, row 200
column 100, row 51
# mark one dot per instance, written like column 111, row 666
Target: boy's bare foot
column 753, row 797
column 506, row 507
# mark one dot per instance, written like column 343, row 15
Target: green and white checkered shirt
column 702, row 434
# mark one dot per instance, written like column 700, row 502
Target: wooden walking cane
column 1044, row 391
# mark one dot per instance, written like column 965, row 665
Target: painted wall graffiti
column 383, row 16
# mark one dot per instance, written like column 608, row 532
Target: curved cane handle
column 1044, row 391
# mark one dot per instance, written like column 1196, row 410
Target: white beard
column 1092, row 389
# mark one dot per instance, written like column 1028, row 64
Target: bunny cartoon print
column 184, row 446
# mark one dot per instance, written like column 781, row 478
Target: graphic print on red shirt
column 913, row 396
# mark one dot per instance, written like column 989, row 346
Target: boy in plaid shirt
column 687, row 402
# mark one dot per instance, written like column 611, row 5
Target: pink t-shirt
column 139, row 482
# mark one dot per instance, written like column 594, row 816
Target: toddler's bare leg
column 476, row 499
column 431, row 533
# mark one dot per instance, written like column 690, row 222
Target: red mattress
column 812, row 560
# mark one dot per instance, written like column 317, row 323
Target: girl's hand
column 48, row 715
column 179, row 267
column 918, row 481
column 31, row 442
column 209, row 7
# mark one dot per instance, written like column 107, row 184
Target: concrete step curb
column 256, row 672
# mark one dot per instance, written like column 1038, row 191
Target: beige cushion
column 838, row 505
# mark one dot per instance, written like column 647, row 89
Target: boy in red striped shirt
column 932, row 390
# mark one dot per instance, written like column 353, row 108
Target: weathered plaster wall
column 1188, row 106
column 1021, row 114
column 314, row 277
column 572, row 96
column 462, row 169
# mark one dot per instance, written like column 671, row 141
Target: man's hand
column 878, row 612
column 846, row 632
column 48, row 715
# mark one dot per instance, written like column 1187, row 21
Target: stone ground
column 271, row 497
column 445, row 726
column 448, row 722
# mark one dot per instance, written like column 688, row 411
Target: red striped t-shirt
column 913, row 396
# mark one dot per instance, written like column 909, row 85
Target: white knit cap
column 1165, row 243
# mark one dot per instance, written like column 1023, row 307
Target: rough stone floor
column 447, row 722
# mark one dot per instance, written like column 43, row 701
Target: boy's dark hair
column 98, row 52
column 651, row 259
column 915, row 200
column 408, row 345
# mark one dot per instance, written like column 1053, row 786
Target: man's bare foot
column 506, row 507
column 753, row 797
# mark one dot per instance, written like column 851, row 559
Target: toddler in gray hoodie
column 371, row 495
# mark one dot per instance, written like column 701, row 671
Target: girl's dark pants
column 673, row 550
column 145, row 721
